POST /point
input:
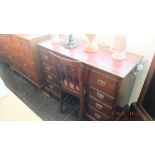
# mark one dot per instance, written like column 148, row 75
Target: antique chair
column 70, row 76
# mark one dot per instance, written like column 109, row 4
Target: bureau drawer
column 5, row 38
column 49, row 69
column 102, row 107
column 28, row 67
column 100, row 96
column 51, row 78
column 102, row 82
column 96, row 114
column 46, row 57
column 19, row 43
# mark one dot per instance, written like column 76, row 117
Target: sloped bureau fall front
column 21, row 53
column 110, row 82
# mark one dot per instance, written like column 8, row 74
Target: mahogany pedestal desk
column 110, row 81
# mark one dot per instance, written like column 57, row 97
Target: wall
column 143, row 44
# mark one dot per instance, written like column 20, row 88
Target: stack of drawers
column 5, row 44
column 20, row 52
column 49, row 71
column 101, row 95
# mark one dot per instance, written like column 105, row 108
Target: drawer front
column 5, row 38
column 51, row 78
column 53, row 88
column 49, row 69
column 96, row 114
column 46, row 57
column 28, row 67
column 100, row 96
column 102, row 82
column 19, row 43
column 27, row 57
column 103, row 108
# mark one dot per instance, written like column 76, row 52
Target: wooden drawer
column 51, row 78
column 19, row 43
column 5, row 38
column 100, row 96
column 102, row 82
column 96, row 115
column 28, row 67
column 46, row 57
column 49, row 69
column 103, row 108
column 27, row 57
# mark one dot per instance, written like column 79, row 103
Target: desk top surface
column 102, row 59
column 29, row 36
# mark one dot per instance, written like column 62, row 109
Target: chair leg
column 81, row 108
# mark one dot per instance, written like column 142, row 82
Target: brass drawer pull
column 101, row 82
column 99, row 95
column 98, row 116
column 29, row 75
column 98, row 106
column 51, row 86
column 49, row 77
column 46, row 57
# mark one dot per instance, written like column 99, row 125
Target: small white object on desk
column 119, row 46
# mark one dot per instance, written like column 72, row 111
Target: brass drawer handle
column 49, row 77
column 46, row 57
column 101, row 82
column 29, row 75
column 99, row 95
column 98, row 116
column 51, row 86
column 98, row 106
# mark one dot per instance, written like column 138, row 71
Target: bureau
column 110, row 82
column 20, row 52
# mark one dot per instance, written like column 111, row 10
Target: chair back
column 70, row 72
